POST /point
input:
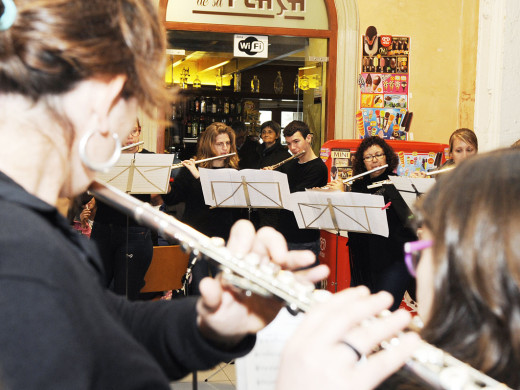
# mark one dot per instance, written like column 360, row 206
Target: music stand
column 139, row 173
column 340, row 211
column 404, row 191
column 247, row 188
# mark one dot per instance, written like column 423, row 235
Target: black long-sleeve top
column 216, row 222
column 374, row 252
column 272, row 155
column 311, row 174
column 61, row 329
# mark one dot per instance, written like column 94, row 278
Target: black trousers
column 125, row 265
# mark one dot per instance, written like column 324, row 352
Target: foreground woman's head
column 468, row 281
column 72, row 74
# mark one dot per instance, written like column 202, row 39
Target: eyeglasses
column 412, row 254
column 371, row 157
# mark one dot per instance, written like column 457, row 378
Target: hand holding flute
column 191, row 163
column 338, row 183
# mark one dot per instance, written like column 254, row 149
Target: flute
column 379, row 184
column 286, row 160
column 430, row 363
column 132, row 145
column 364, row 174
column 180, row 165
column 440, row 171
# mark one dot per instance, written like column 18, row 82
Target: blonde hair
column 465, row 135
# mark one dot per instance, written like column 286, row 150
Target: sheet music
column 405, row 185
column 140, row 173
column 259, row 369
column 245, row 188
column 351, row 211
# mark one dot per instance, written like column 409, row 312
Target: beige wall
column 442, row 58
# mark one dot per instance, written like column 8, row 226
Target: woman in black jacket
column 377, row 261
column 271, row 152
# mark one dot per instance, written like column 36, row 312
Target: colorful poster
column 385, row 122
column 383, row 86
column 416, row 161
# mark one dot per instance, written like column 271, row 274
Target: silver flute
column 250, row 273
column 180, row 165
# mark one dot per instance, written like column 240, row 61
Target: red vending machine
column 337, row 155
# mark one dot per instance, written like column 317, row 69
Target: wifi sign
column 250, row 46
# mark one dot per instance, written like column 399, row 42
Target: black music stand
column 340, row 211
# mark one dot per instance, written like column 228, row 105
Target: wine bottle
column 278, row 84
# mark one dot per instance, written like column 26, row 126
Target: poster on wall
column 341, row 164
column 383, row 85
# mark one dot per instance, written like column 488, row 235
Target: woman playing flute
column 217, row 140
column 119, row 239
column 377, row 261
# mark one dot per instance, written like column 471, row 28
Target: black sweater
column 311, row 174
column 215, row 222
column 272, row 155
column 61, row 329
column 373, row 253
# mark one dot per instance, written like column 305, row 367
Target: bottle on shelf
column 237, row 82
column 202, row 125
column 278, row 84
column 226, row 106
column 196, row 82
column 196, row 105
column 188, row 127
column 218, row 81
column 203, row 103
column 255, row 84
column 194, row 127
column 214, row 106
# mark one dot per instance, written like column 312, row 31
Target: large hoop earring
column 99, row 166
column 8, row 16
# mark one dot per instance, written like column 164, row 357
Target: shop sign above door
column 272, row 13
column 250, row 46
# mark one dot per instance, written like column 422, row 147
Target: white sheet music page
column 244, row 188
column 118, row 174
column 259, row 369
column 405, row 185
column 337, row 211
column 140, row 173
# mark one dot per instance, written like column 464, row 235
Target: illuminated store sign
column 287, row 9
column 266, row 13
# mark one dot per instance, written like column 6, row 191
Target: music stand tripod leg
column 219, row 370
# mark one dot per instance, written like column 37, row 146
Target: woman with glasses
column 126, row 247
column 377, row 261
column 468, row 264
column 218, row 139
